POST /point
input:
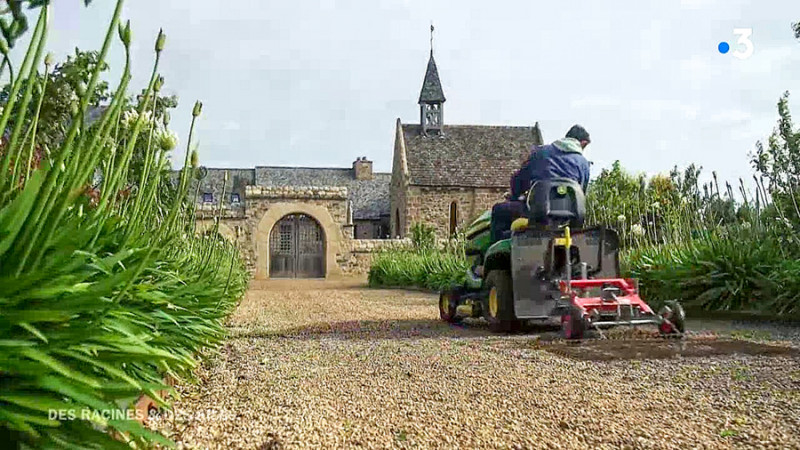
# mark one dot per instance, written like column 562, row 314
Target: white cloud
column 766, row 61
column 696, row 70
column 658, row 109
column 650, row 38
column 754, row 130
column 731, row 115
column 697, row 4
column 231, row 125
column 595, row 101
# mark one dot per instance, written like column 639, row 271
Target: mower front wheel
column 448, row 301
column 500, row 302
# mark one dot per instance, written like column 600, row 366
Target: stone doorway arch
column 332, row 235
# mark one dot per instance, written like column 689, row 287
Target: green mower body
column 550, row 269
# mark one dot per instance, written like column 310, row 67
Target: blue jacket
column 561, row 159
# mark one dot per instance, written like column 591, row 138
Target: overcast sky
column 318, row 83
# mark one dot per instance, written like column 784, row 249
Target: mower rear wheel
column 448, row 301
column 500, row 302
column 674, row 313
column 573, row 325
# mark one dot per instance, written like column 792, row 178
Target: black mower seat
column 557, row 202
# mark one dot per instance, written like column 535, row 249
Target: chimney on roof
column 362, row 169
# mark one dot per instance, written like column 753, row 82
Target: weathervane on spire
column 431, row 37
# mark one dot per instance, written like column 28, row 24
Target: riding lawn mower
column 549, row 268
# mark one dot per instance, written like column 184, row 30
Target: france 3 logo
column 744, row 44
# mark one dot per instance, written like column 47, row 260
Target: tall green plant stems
column 105, row 288
column 424, row 263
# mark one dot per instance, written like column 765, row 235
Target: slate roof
column 467, row 155
column 431, row 86
column 370, row 197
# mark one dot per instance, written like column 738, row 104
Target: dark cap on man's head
column 579, row 133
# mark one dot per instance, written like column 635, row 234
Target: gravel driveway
column 315, row 364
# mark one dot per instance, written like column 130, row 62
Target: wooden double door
column 297, row 248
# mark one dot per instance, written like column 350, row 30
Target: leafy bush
column 104, row 291
column 723, row 270
column 430, row 269
column 425, row 265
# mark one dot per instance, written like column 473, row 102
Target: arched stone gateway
column 297, row 248
column 317, row 222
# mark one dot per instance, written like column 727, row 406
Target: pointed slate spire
column 431, row 87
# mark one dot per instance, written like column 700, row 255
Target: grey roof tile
column 370, row 197
column 467, row 155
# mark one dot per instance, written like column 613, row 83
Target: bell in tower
column 431, row 98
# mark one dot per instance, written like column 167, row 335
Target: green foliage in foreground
column 103, row 291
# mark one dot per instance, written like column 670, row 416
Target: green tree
column 779, row 162
column 64, row 84
column 62, row 87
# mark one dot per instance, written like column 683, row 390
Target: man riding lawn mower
column 545, row 266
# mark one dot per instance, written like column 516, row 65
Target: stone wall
column 237, row 230
column 431, row 205
column 361, row 251
column 297, row 192
column 398, row 225
column 208, row 211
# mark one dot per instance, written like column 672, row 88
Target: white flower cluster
column 166, row 139
column 130, row 117
column 637, row 230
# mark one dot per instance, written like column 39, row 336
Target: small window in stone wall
column 453, row 218
column 397, row 230
column 208, row 197
column 235, row 198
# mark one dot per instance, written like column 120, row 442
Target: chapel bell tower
column 431, row 99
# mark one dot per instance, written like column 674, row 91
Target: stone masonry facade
column 434, row 206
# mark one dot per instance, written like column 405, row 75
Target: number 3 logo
column 744, row 39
